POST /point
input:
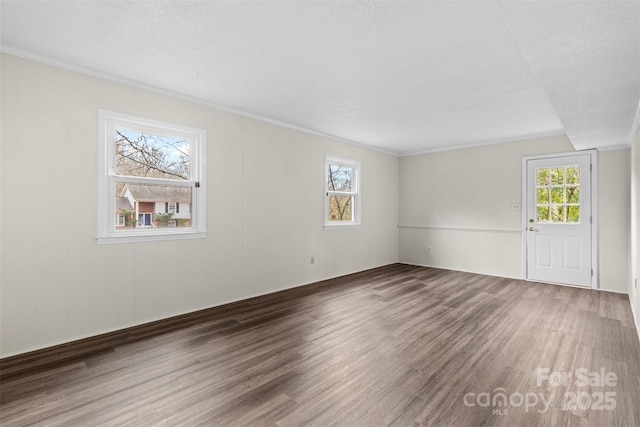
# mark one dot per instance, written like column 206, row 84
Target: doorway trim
column 595, row 282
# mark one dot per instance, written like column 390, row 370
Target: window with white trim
column 558, row 195
column 172, row 207
column 150, row 179
column 342, row 192
column 122, row 220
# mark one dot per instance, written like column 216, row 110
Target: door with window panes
column 558, row 228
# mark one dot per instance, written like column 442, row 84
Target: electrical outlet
column 515, row 206
column 429, row 249
column 313, row 260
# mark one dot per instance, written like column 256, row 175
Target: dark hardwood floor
column 398, row 345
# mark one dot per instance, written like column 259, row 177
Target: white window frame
column 120, row 217
column 108, row 121
column 355, row 193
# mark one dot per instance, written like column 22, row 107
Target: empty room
column 319, row 213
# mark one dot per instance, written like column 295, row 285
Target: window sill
column 149, row 237
column 341, row 226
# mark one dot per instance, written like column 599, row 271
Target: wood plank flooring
column 394, row 346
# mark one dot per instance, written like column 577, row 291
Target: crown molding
column 487, row 142
column 10, row 50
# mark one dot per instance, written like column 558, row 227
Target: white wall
column 634, row 253
column 459, row 202
column 264, row 214
column 614, row 207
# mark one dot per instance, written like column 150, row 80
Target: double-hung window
column 150, row 179
column 342, row 192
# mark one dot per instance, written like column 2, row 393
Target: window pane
column 543, row 213
column 154, row 156
column 146, row 206
column 573, row 213
column 557, row 176
column 557, row 195
column 340, row 208
column 573, row 194
column 557, row 213
column 556, row 189
column 573, row 175
column 542, row 177
column 340, row 178
column 542, row 195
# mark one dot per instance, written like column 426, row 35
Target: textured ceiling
column 404, row 77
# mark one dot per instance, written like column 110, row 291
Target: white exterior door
column 559, row 220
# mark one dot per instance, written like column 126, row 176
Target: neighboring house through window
column 150, row 180
column 342, row 192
